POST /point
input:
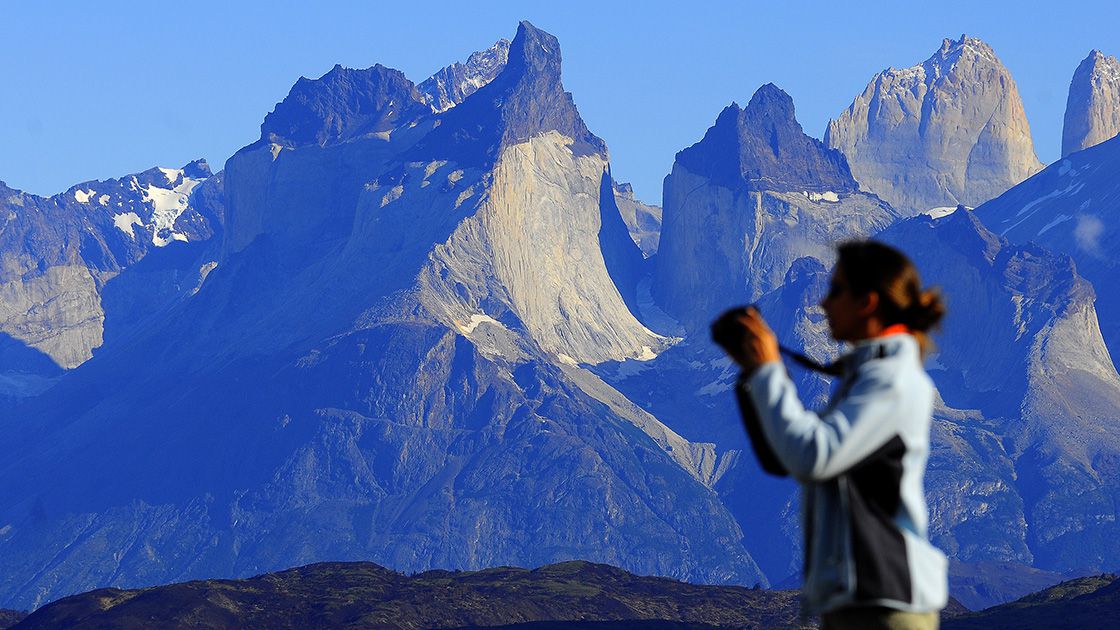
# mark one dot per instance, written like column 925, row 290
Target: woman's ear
column 869, row 304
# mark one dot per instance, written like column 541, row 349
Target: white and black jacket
column 861, row 464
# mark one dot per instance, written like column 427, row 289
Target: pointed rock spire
column 948, row 131
column 748, row 200
column 764, row 147
column 197, row 169
column 1093, row 107
column 526, row 99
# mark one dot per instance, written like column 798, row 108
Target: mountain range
column 423, row 325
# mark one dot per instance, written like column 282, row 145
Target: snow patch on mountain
column 477, row 319
column 1028, row 210
column 1061, row 218
column 827, row 196
column 448, row 87
column 125, row 221
column 167, row 205
column 203, row 272
column 941, row 211
column 172, row 174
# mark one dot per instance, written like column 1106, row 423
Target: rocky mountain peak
column 448, row 87
column 953, row 50
column 534, row 50
column 770, row 105
column 343, row 104
column 525, row 99
column 1093, row 106
column 764, row 148
column 753, row 196
column 948, row 131
column 197, row 169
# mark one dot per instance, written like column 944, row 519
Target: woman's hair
column 872, row 266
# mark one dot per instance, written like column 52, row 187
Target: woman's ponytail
column 924, row 314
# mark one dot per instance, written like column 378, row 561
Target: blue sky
column 98, row 90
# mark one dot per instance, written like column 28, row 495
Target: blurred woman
column 860, row 461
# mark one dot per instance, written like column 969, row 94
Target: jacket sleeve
column 817, row 447
column 767, row 460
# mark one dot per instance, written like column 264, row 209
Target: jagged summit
column 525, row 99
column 535, row 49
column 950, row 130
column 451, row 85
column 197, row 169
column 953, row 50
column 1093, row 107
column 764, row 147
column 969, row 50
column 343, row 104
column 748, row 200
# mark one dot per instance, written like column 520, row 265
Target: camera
column 727, row 332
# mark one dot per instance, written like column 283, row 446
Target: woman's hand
column 745, row 337
column 760, row 345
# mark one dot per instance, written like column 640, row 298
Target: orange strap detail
column 895, row 329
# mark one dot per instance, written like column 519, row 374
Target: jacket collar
column 878, row 348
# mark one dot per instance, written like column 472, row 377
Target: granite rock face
column 1072, row 208
column 1093, row 107
column 1020, row 348
column 389, row 363
column 745, row 202
column 643, row 220
column 946, row 132
column 763, row 148
column 448, row 87
column 58, row 254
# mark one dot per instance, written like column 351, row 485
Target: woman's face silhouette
column 849, row 316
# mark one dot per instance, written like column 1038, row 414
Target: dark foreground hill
column 1089, row 602
column 562, row 596
column 9, row 618
column 365, row 595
